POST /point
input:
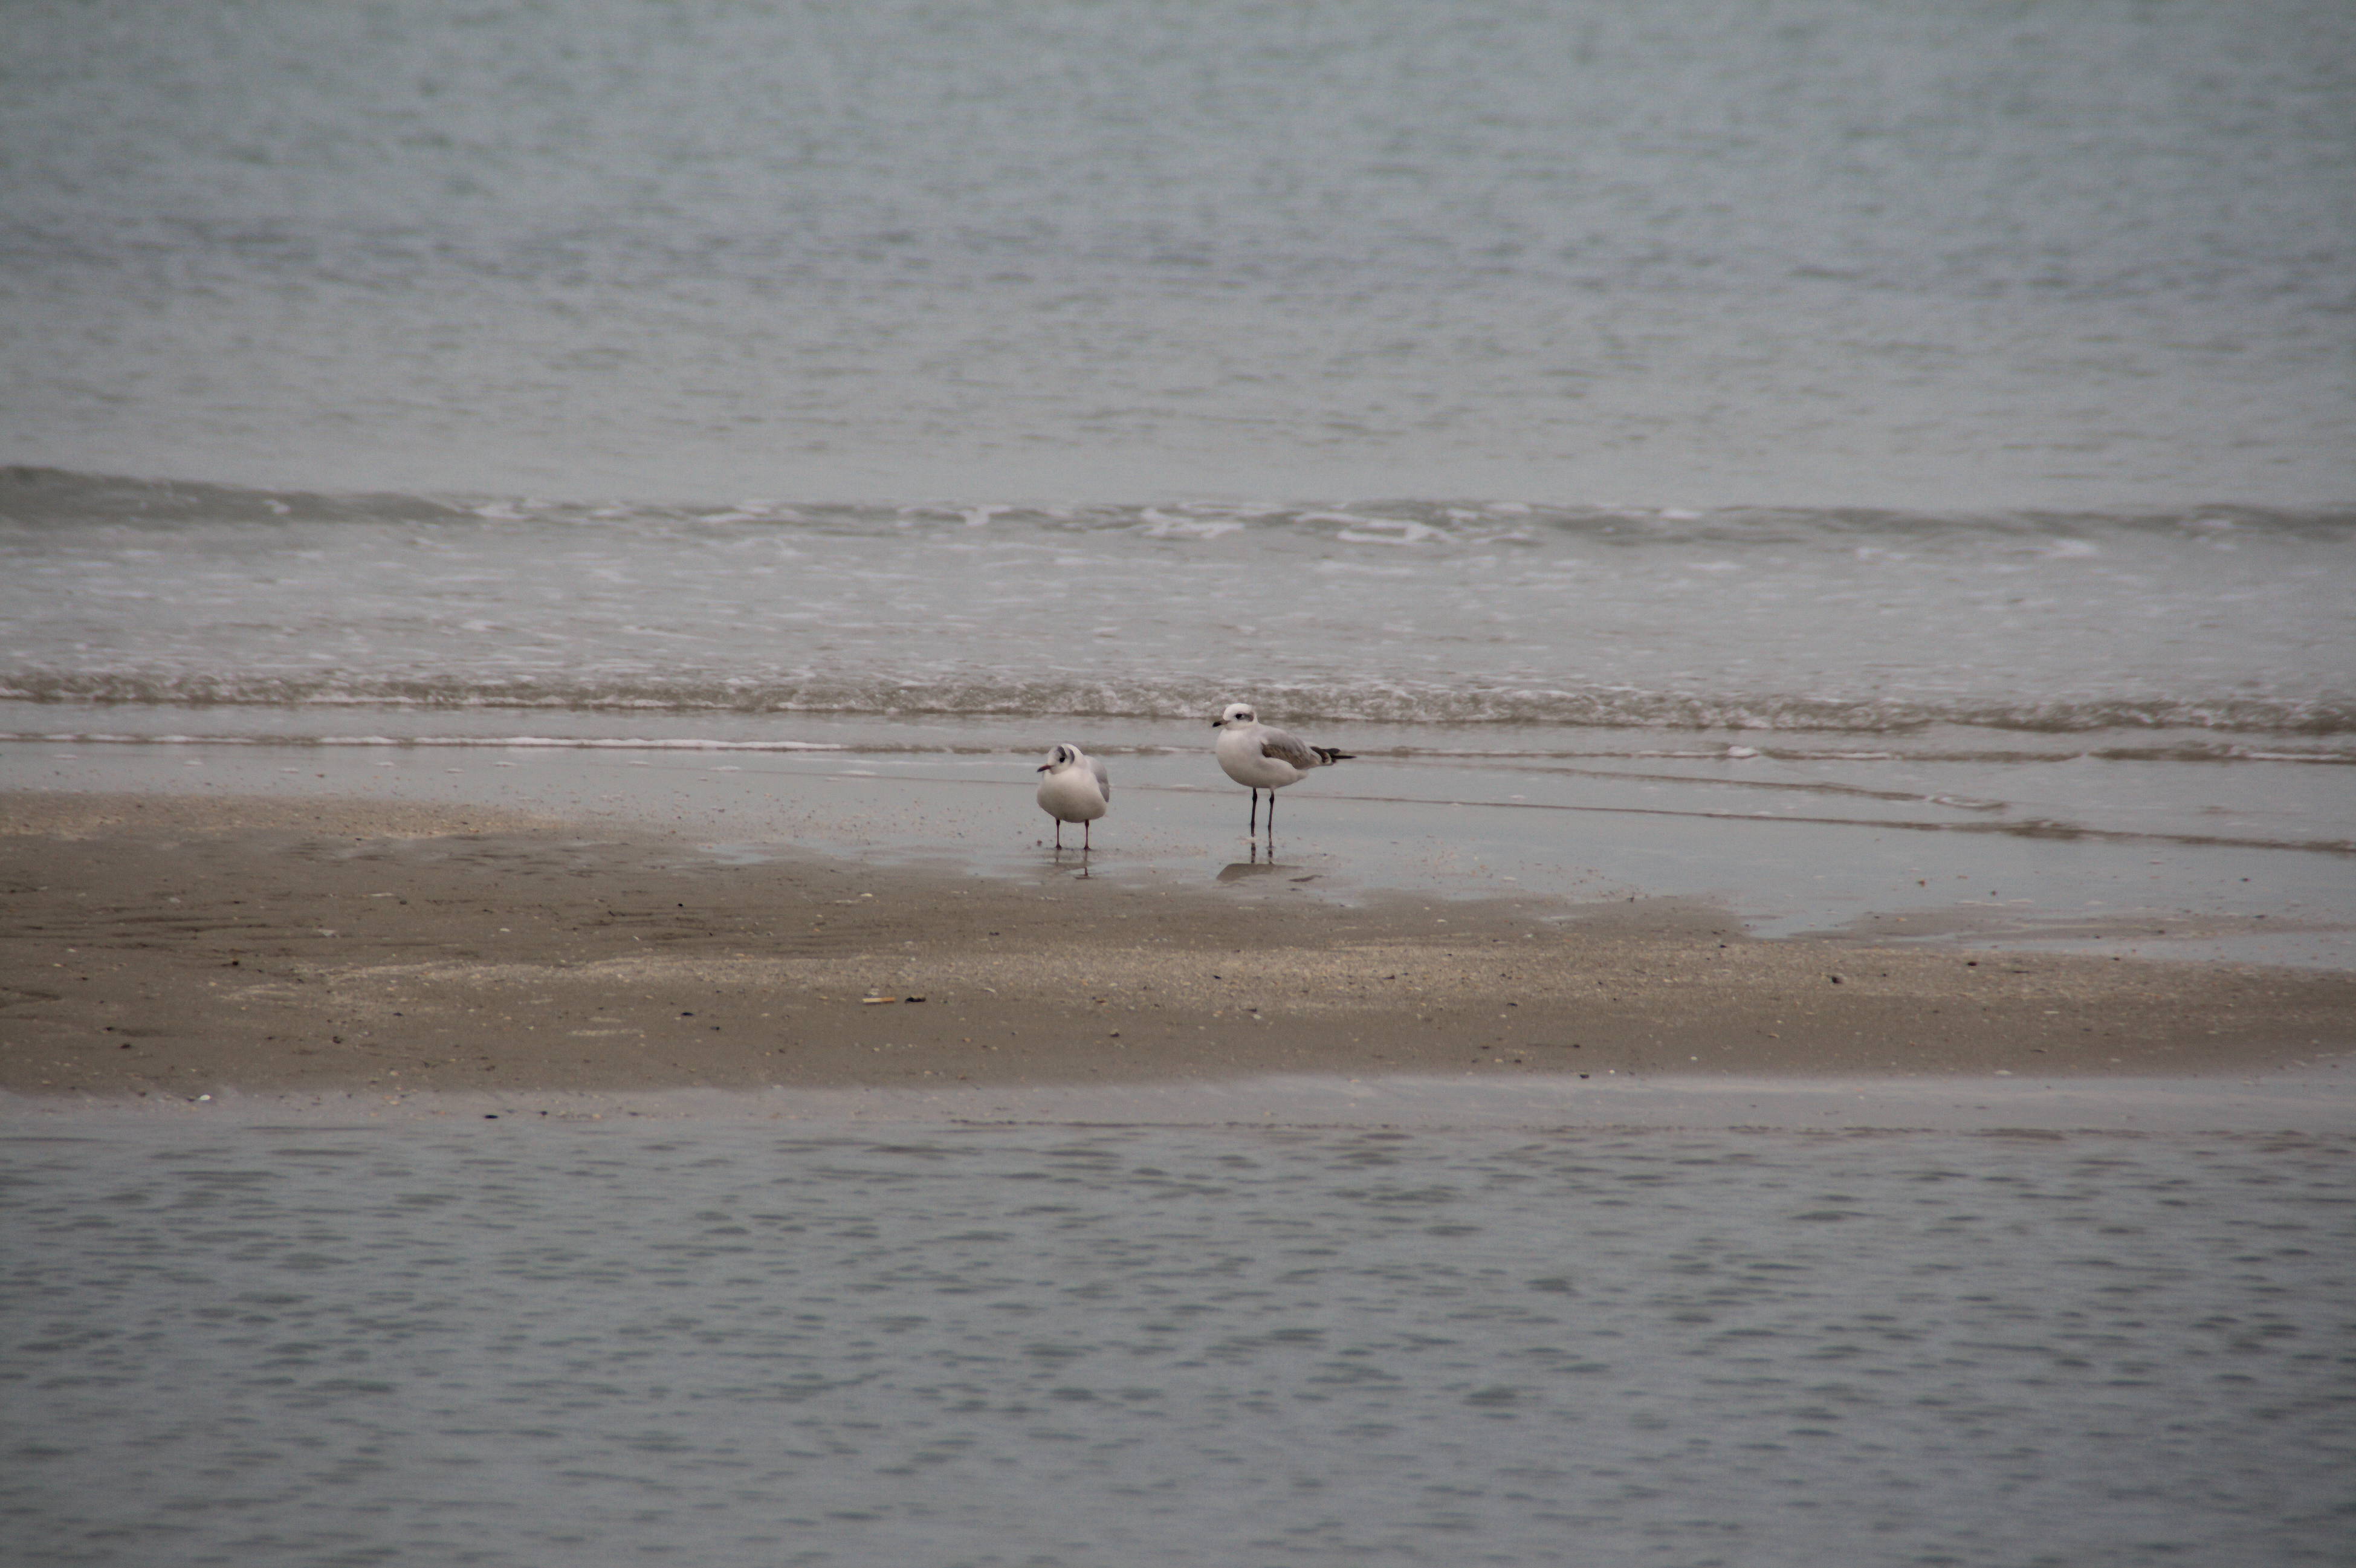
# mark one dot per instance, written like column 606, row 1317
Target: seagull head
column 1062, row 757
column 1236, row 713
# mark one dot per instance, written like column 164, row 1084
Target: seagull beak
column 1044, row 765
column 1217, row 723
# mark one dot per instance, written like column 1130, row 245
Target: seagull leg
column 1271, row 818
column 1253, row 831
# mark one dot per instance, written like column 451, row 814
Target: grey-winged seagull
column 1261, row 757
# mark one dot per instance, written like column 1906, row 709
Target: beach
column 1813, row 1019
column 178, row 946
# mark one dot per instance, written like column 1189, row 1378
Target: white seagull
column 1076, row 790
column 1261, row 757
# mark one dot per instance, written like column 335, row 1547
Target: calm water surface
column 1924, row 255
column 526, row 1342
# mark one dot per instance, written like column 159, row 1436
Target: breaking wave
column 1370, row 702
column 33, row 497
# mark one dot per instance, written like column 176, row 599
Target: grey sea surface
column 1924, row 255
column 239, row 1336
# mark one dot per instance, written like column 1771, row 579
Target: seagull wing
column 1104, row 779
column 1284, row 747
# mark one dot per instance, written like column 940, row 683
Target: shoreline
column 175, row 946
column 2318, row 1103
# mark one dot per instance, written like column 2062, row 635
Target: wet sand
column 173, row 946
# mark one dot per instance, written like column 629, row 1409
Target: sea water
column 1940, row 254
column 493, row 1341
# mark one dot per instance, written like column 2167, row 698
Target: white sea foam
column 1405, row 611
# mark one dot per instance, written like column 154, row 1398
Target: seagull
column 1261, row 757
column 1076, row 790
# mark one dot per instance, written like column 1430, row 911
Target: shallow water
column 2123, row 843
column 497, row 1341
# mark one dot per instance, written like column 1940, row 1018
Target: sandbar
column 176, row 946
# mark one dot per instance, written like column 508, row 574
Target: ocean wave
column 1577, row 756
column 34, row 496
column 1330, row 703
